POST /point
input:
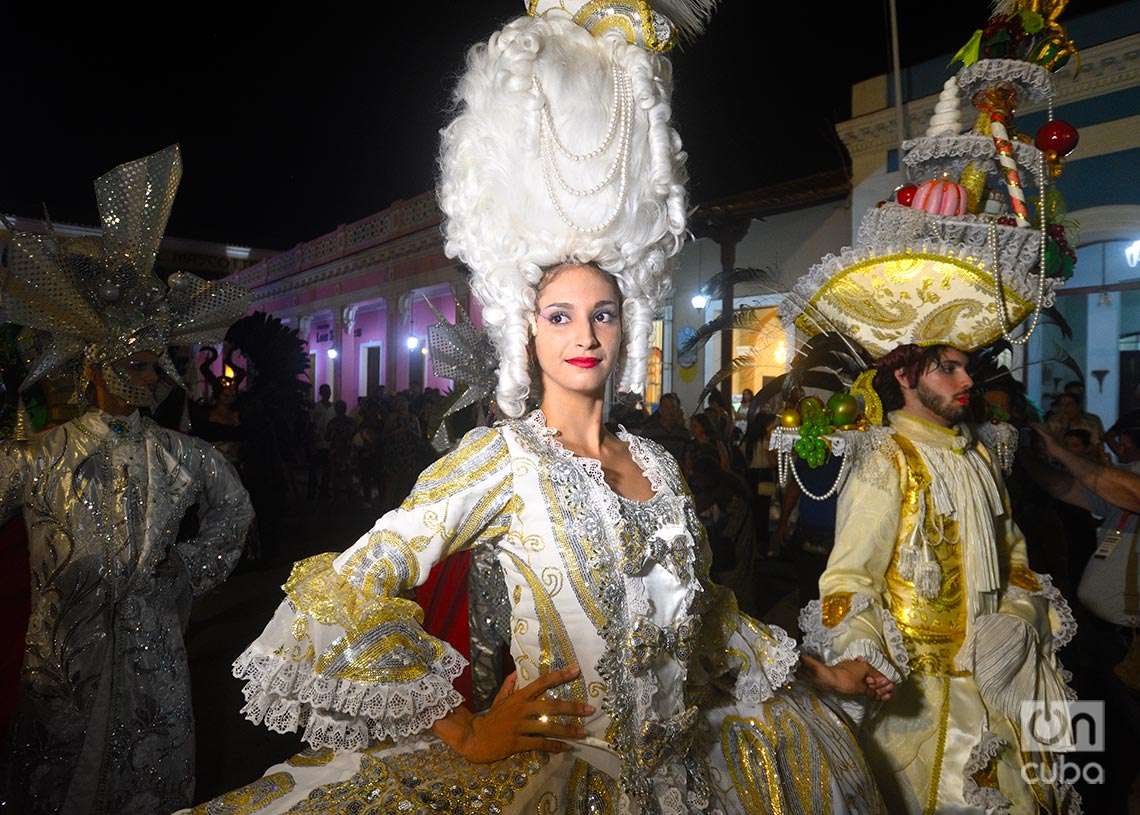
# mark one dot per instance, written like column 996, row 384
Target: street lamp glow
column 700, row 300
column 424, row 350
column 413, row 342
column 332, row 353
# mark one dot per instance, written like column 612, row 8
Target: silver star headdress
column 464, row 354
column 98, row 298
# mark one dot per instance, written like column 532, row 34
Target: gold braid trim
column 835, row 607
column 939, row 749
column 872, row 404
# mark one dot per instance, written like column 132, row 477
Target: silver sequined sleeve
column 224, row 514
column 13, row 477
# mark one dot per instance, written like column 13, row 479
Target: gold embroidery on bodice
column 932, row 629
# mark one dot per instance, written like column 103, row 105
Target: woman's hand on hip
column 518, row 720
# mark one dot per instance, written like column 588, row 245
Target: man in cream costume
column 929, row 580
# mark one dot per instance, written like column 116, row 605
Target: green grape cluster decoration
column 816, row 424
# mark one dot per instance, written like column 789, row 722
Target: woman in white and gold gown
column 638, row 687
column 694, row 705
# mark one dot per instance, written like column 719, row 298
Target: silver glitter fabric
column 99, row 299
column 464, row 354
column 104, row 722
column 489, row 623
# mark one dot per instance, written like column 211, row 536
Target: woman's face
column 577, row 336
column 697, row 431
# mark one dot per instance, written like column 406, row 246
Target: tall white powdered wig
column 562, row 152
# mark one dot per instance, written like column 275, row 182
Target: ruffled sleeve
column 1029, row 595
column 748, row 659
column 1015, row 650
column 345, row 657
column 851, row 620
column 735, row 654
column 14, row 460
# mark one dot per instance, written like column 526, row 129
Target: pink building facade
column 359, row 297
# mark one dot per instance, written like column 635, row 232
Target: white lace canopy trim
column 892, row 229
column 932, row 156
column 341, row 713
column 1034, row 84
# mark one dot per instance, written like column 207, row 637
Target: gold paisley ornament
column 636, row 20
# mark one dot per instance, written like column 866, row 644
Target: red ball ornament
column 904, row 195
column 1057, row 136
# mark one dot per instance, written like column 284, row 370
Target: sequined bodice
column 612, row 595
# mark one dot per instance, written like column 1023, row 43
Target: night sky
column 292, row 123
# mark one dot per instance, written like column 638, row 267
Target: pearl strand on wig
column 621, row 122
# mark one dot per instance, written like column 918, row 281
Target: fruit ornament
column 1056, row 139
column 940, row 197
column 843, row 408
column 811, row 422
column 816, row 424
column 904, row 195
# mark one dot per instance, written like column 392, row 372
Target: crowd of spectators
column 371, row 454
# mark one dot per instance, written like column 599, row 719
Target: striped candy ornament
column 1004, row 149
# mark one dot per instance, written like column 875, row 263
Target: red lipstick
column 584, row 362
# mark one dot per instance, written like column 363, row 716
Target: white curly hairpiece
column 499, row 218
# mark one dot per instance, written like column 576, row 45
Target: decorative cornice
column 391, row 293
column 1105, row 68
column 349, row 268
column 417, row 214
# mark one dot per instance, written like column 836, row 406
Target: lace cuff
column 773, row 659
column 1025, row 583
column 348, row 688
column 838, row 642
column 982, row 755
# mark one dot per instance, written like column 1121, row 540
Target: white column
column 1103, row 397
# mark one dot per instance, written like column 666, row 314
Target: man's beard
column 945, row 407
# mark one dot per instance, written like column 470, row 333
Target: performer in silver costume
column 104, row 723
